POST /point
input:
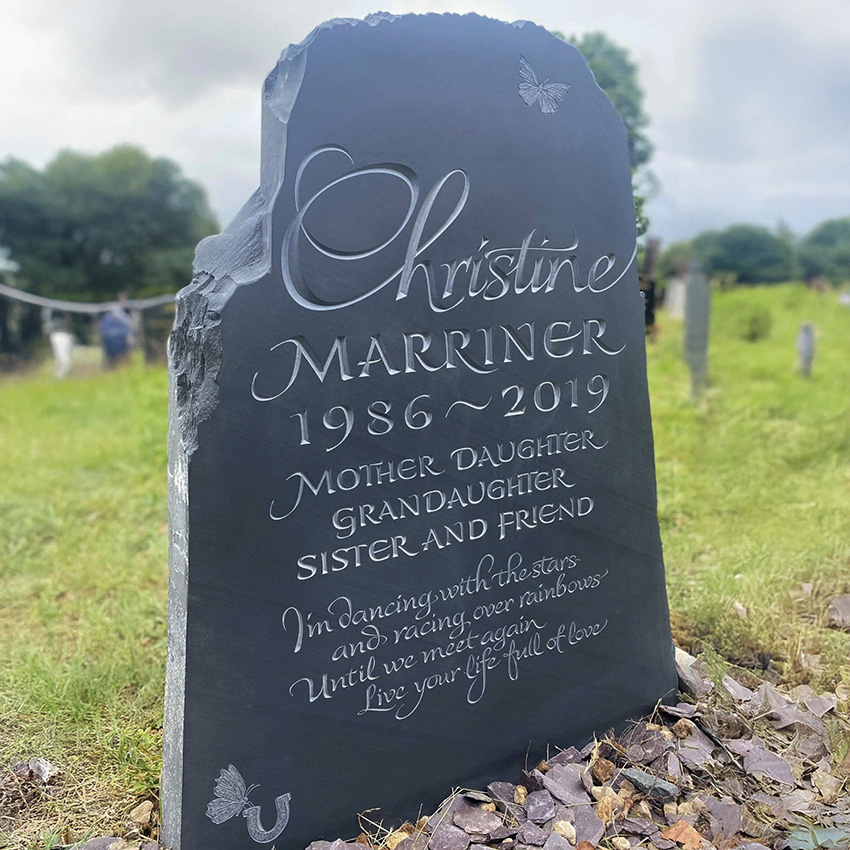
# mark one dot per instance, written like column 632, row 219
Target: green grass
column 754, row 481
column 754, row 491
column 83, row 566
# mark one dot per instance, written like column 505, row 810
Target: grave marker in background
column 414, row 529
column 674, row 297
column 805, row 349
column 697, row 316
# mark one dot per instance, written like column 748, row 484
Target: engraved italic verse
column 392, row 654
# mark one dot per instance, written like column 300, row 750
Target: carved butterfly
column 548, row 95
column 231, row 796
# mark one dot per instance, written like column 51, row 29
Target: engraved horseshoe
column 255, row 826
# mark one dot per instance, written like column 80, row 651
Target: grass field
column 83, row 607
column 754, row 490
column 754, row 484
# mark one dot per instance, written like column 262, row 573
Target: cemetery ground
column 753, row 482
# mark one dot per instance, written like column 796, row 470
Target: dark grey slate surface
column 412, row 479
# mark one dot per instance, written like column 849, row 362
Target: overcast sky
column 749, row 100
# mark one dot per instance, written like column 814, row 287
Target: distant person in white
column 61, row 341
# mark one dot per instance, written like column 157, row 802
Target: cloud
column 759, row 131
column 748, row 101
column 761, row 88
column 182, row 51
column 178, row 52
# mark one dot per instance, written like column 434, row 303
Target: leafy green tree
column 617, row 76
column 88, row 227
column 750, row 252
column 790, row 241
column 825, row 251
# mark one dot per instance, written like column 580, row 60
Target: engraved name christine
column 524, row 268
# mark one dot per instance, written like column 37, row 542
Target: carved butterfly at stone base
column 231, row 799
column 547, row 95
column 231, row 796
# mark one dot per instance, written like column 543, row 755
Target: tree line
column 87, row 227
column 750, row 253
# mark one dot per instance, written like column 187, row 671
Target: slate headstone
column 412, row 479
column 697, row 317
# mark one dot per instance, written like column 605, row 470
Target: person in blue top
column 116, row 330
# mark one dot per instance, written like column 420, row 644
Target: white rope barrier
column 82, row 307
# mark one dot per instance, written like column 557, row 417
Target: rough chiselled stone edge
column 175, row 673
column 241, row 253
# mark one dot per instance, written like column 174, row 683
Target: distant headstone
column 805, row 349
column 697, row 316
column 414, row 534
column 674, row 297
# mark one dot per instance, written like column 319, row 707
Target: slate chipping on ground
column 729, row 767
